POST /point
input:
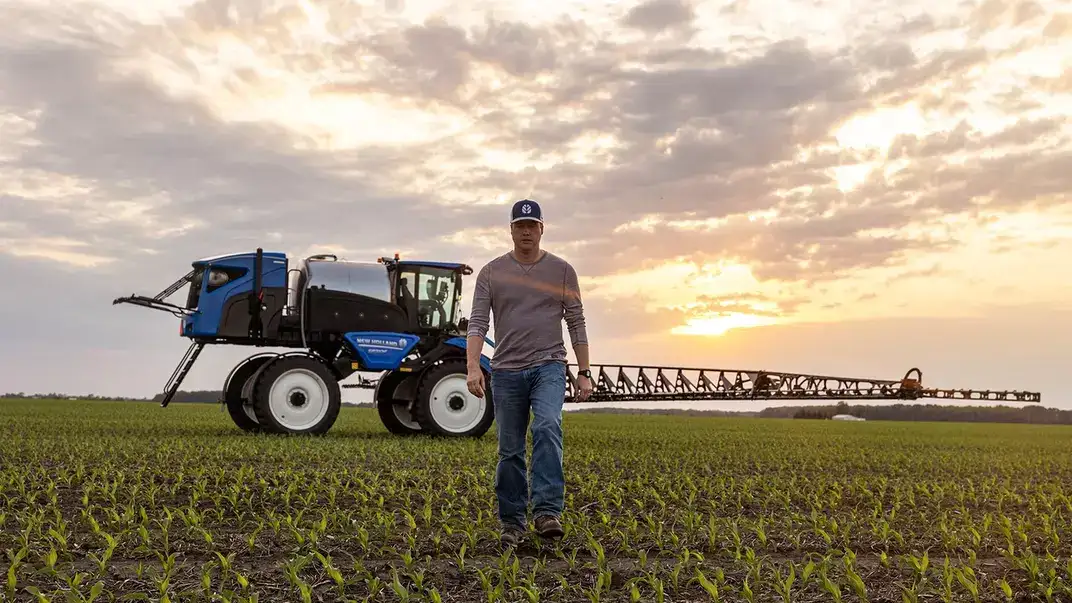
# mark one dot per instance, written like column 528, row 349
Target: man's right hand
column 475, row 380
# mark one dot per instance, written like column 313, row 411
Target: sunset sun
column 721, row 324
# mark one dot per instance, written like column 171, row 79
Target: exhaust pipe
column 256, row 297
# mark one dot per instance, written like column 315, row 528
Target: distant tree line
column 201, row 395
column 819, row 412
column 62, row 396
column 928, row 412
column 196, row 395
column 895, row 412
column 812, row 413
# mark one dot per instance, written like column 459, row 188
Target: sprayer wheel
column 394, row 413
column 236, row 398
column 297, row 395
column 445, row 407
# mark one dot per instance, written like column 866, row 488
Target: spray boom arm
column 157, row 302
column 636, row 383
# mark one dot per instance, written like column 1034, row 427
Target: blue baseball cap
column 526, row 209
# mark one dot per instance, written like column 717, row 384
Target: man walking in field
column 530, row 292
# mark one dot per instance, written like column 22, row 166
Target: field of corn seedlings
column 128, row 501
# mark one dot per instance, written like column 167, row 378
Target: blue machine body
column 210, row 304
column 210, row 301
column 383, row 351
column 463, row 344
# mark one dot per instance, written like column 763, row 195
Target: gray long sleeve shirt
column 529, row 303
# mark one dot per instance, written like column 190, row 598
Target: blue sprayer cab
column 401, row 319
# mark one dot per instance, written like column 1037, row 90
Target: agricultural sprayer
column 403, row 320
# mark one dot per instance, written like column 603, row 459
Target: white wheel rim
column 453, row 407
column 298, row 399
column 404, row 416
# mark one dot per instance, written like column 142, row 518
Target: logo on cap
column 526, row 209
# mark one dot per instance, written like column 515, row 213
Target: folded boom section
column 628, row 383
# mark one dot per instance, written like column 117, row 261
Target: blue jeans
column 541, row 389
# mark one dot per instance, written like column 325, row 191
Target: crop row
column 129, row 501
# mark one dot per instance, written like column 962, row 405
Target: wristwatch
column 585, row 373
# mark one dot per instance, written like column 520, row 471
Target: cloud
column 658, row 15
column 806, row 153
column 117, row 139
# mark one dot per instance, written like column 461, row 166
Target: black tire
column 234, row 399
column 307, row 386
column 454, row 392
column 389, row 408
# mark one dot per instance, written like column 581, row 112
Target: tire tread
column 277, row 368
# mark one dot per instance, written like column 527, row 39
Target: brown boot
column 511, row 535
column 548, row 526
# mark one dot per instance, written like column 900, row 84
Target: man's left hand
column 584, row 388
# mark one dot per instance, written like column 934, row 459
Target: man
column 530, row 291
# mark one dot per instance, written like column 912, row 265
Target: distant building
column 847, row 418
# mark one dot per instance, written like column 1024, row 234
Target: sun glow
column 878, row 129
column 848, row 177
column 719, row 324
column 714, row 297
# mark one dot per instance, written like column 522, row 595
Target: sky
column 831, row 187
